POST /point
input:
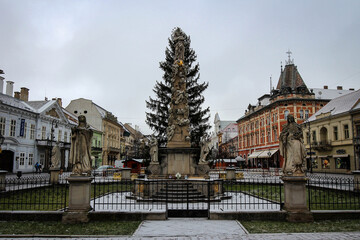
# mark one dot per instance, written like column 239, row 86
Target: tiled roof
column 290, row 77
column 339, row 105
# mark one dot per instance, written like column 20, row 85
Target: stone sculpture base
column 54, row 176
column 79, row 199
column 295, row 199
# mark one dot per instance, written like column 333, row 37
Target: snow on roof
column 328, row 94
column 14, row 102
column 339, row 105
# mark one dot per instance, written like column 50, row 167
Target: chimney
column 1, row 84
column 339, row 88
column 17, row 95
column 326, row 87
column 24, row 94
column 59, row 100
column 9, row 88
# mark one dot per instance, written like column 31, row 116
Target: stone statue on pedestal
column 55, row 157
column 205, row 150
column 80, row 152
column 292, row 148
column 154, row 150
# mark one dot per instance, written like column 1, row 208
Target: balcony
column 322, row 145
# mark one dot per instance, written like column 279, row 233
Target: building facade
column 260, row 127
column 332, row 133
column 31, row 129
column 105, row 122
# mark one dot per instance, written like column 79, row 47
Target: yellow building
column 329, row 136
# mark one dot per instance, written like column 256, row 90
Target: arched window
column 286, row 113
column 323, row 135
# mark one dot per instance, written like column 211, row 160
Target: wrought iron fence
column 186, row 195
column 333, row 194
column 34, row 193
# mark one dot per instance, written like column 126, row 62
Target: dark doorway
column 7, row 160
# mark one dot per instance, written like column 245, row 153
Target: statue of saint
column 292, row 148
column 55, row 157
column 80, row 151
column 154, row 150
column 204, row 145
column 170, row 132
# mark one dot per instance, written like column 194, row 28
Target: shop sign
column 340, row 151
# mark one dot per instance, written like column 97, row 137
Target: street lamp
column 309, row 140
column 52, row 137
column 2, row 139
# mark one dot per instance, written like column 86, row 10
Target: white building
column 30, row 129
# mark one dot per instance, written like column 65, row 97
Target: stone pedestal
column 155, row 168
column 356, row 180
column 295, row 199
column 126, row 174
column 79, row 199
column 230, row 174
column 203, row 170
column 2, row 180
column 178, row 160
column 54, row 176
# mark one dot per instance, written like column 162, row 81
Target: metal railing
column 333, row 194
column 33, row 194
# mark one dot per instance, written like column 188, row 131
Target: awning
column 340, row 155
column 267, row 153
column 255, row 154
column 239, row 159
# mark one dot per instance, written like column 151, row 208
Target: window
column 325, row 162
column 12, row 128
column 306, row 114
column 59, row 135
column 269, row 136
column 65, row 136
column 275, row 135
column 336, row 137
column 342, row 163
column 32, row 131
column 42, row 158
column 31, row 159
column 2, row 125
column 301, row 114
column 346, row 131
column 22, row 159
column 43, row 132
column 286, row 113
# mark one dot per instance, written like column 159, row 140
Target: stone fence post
column 2, row 180
column 295, row 199
column 356, row 180
column 230, row 173
column 79, row 199
column 126, row 174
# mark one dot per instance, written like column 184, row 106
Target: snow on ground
column 238, row 202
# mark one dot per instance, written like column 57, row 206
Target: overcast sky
column 109, row 51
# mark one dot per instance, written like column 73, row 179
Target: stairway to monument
column 179, row 192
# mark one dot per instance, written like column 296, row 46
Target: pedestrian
column 36, row 167
column 40, row 168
